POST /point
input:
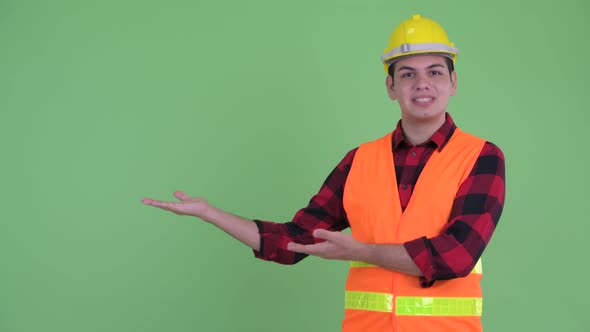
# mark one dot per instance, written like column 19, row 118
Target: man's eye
column 406, row 75
column 436, row 72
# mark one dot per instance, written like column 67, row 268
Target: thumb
column 323, row 234
column 181, row 195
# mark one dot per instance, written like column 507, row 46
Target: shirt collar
column 440, row 138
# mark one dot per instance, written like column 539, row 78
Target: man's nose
column 423, row 83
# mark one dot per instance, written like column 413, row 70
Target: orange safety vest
column 382, row 300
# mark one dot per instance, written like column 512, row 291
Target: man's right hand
column 191, row 206
column 242, row 229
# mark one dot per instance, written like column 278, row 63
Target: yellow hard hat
column 418, row 35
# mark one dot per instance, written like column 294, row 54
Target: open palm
column 188, row 205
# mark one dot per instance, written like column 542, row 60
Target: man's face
column 422, row 85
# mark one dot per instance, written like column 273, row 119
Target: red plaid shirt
column 453, row 253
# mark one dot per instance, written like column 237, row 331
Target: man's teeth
column 423, row 100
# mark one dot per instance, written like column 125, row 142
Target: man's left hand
column 337, row 245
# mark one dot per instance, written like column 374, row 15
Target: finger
column 156, row 203
column 323, row 234
column 147, row 201
column 310, row 249
column 181, row 195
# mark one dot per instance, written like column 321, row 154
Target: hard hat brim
column 424, row 48
column 389, row 62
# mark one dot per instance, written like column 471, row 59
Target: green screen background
column 250, row 104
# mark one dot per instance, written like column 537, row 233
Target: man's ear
column 390, row 88
column 453, row 83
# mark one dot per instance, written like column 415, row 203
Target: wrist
column 365, row 252
column 207, row 212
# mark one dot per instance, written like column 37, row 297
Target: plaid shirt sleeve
column 474, row 216
column 324, row 211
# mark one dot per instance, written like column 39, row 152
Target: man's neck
column 418, row 132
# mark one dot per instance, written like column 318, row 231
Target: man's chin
column 425, row 116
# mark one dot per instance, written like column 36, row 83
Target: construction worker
column 422, row 203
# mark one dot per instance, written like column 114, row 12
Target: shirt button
column 404, row 187
column 414, row 154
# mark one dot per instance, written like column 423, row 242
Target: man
column 422, row 203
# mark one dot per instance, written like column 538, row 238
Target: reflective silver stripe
column 368, row 301
column 425, row 47
column 361, row 264
column 476, row 269
column 438, row 306
column 413, row 305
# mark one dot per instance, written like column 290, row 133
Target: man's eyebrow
column 405, row 68
column 434, row 65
